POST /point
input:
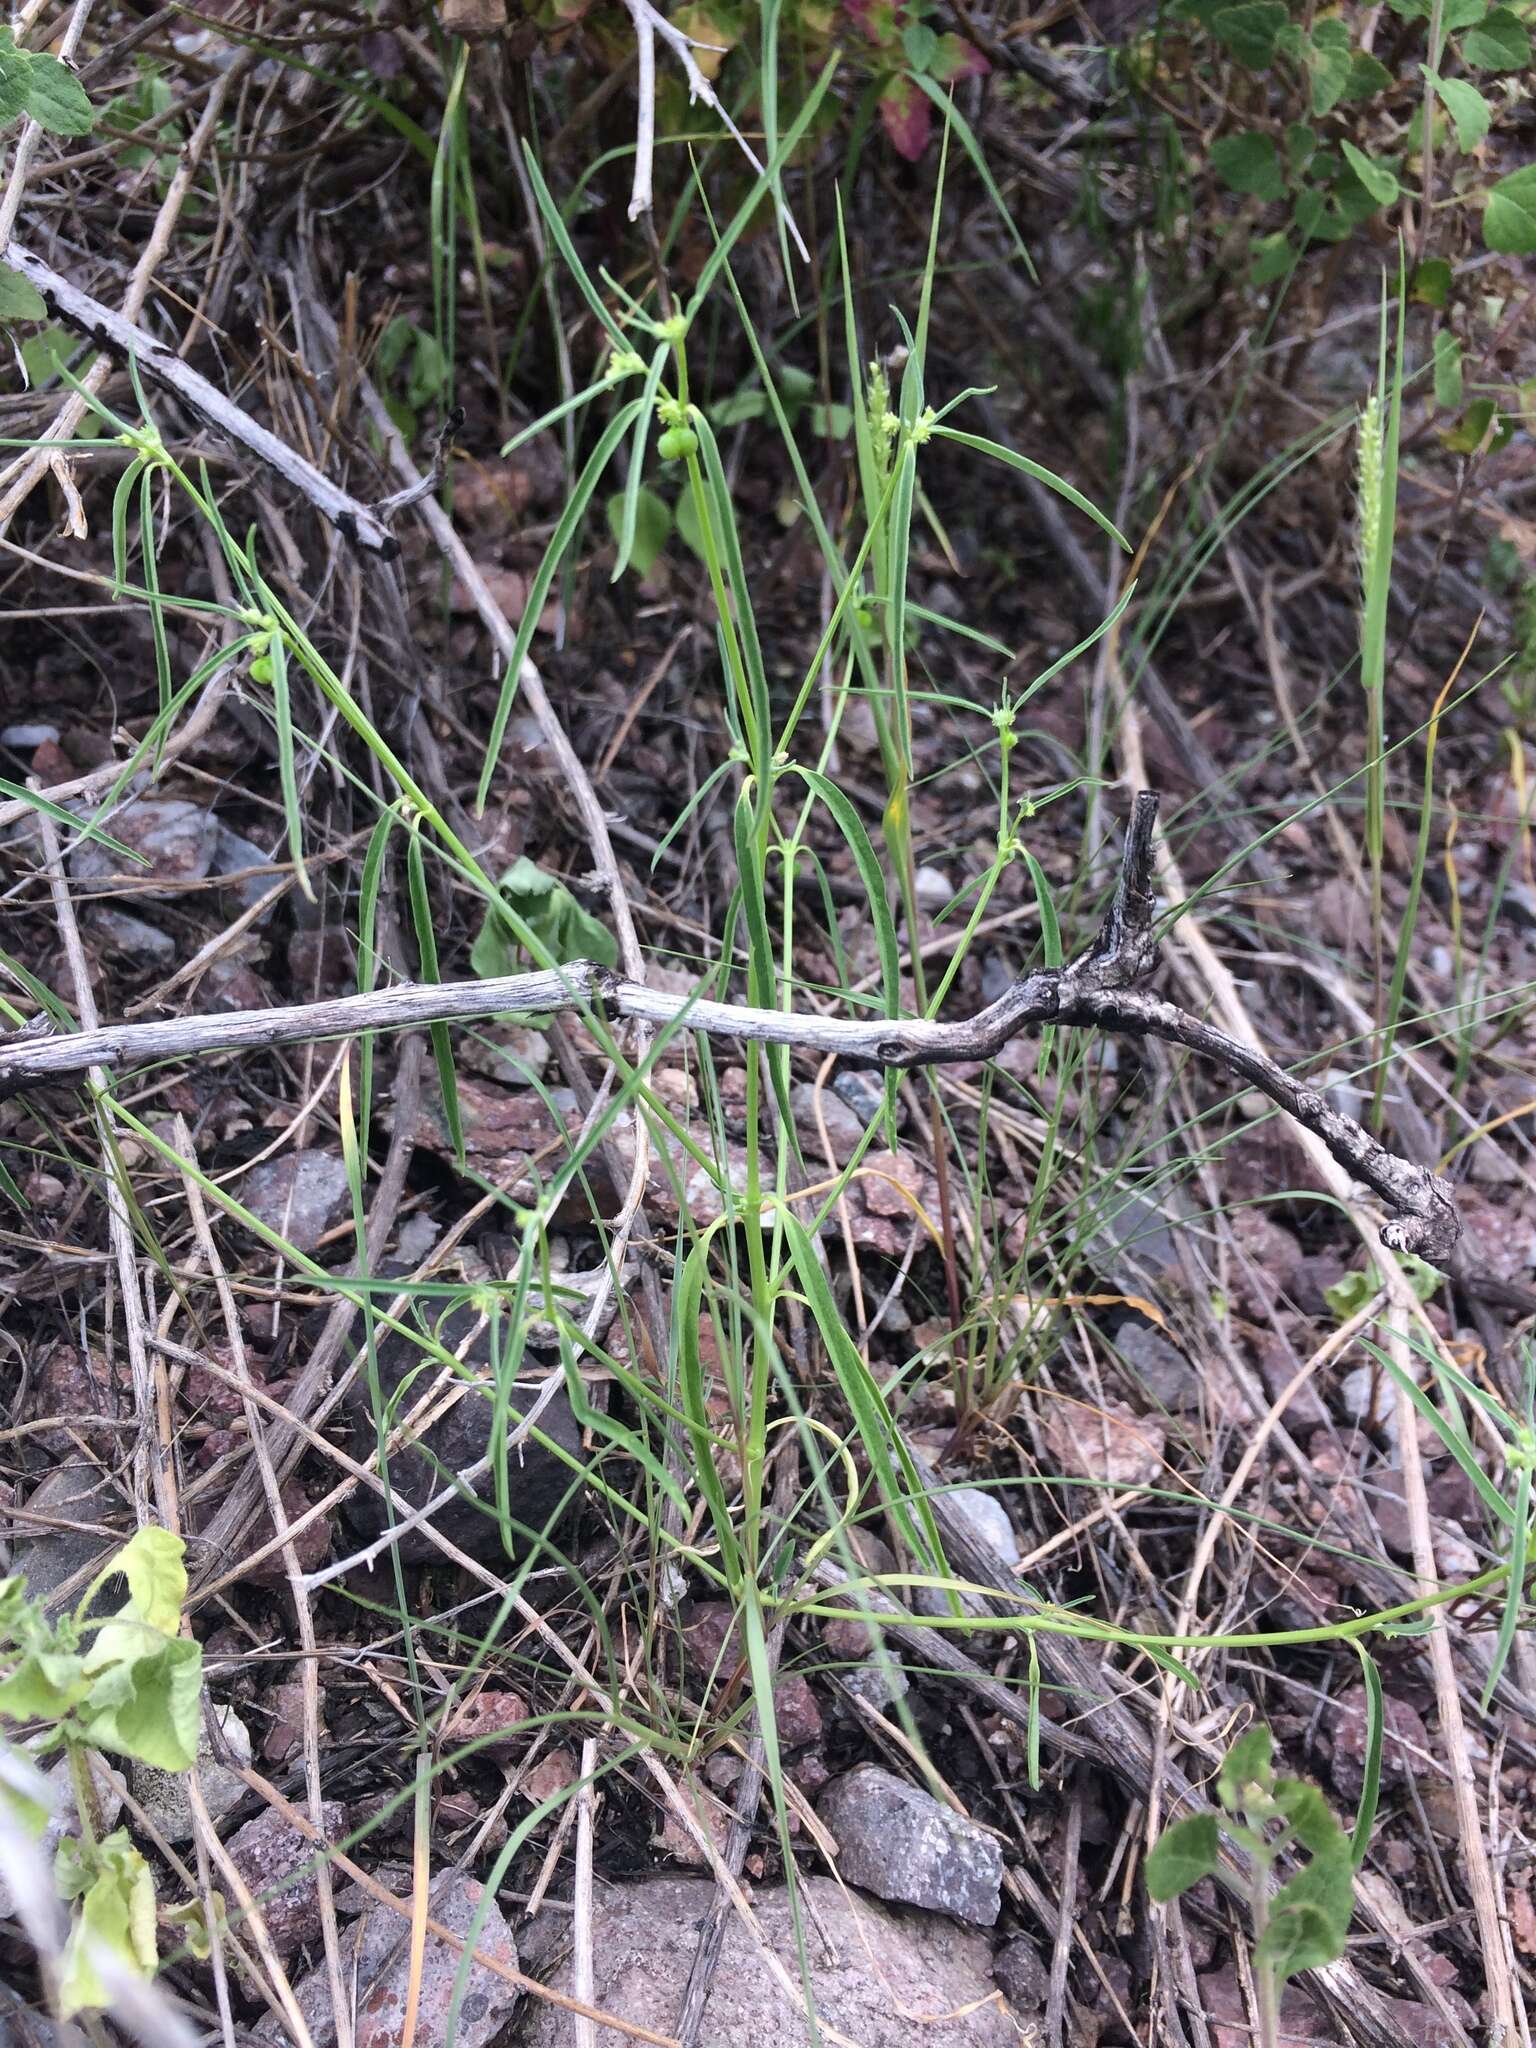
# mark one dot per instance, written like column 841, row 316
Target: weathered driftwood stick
column 122, row 337
column 1094, row 991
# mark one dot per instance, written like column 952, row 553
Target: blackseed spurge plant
column 126, row 1683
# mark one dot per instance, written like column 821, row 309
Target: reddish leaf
column 906, row 115
column 955, row 59
column 879, row 19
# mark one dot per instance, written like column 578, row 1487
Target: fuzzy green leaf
column 1247, row 1767
column 1367, row 76
column 116, row 1919
column 1499, row 42
column 1182, row 1855
column 653, row 522
column 44, row 1686
column 1249, row 163
column 1316, row 1825
column 1509, row 225
column 15, row 69
column 1251, row 30
column 550, row 912
column 1378, row 178
column 20, row 300
column 146, row 1695
column 55, row 98
column 1328, row 64
column 1431, row 285
column 1470, row 113
column 1270, row 257
column 1309, row 1917
column 151, row 1562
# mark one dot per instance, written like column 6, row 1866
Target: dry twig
column 1095, row 991
column 122, row 337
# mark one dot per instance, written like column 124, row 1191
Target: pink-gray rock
column 882, row 1979
column 299, row 1195
column 375, row 1958
column 897, row 1841
column 496, row 1722
column 713, row 1654
column 277, row 1864
column 1405, row 1744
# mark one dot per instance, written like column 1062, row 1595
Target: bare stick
column 1094, row 992
column 650, row 22
column 122, row 337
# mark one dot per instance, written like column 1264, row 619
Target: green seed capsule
column 677, row 442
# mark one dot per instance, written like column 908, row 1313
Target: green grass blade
column 564, row 534
column 872, row 875
column 426, row 944
column 637, row 461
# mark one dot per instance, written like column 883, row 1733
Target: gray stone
column 1161, row 1369
column 539, row 1479
column 299, row 1195
column 844, row 1127
column 375, row 1958
column 234, row 855
column 879, row 1978
column 1132, row 1228
column 143, row 942
column 49, row 1559
column 987, row 1522
column 175, row 842
column 900, row 1843
column 163, row 1794
column 934, row 889
column 1021, row 1976
column 864, row 1094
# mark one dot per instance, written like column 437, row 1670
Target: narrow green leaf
column 1514, row 1587
column 1040, row 474
column 1447, row 369
column 1370, row 1789
column 565, row 533
column 872, row 875
column 943, row 99
column 659, row 520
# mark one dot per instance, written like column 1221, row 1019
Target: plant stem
column 1265, row 1990
column 85, row 1794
